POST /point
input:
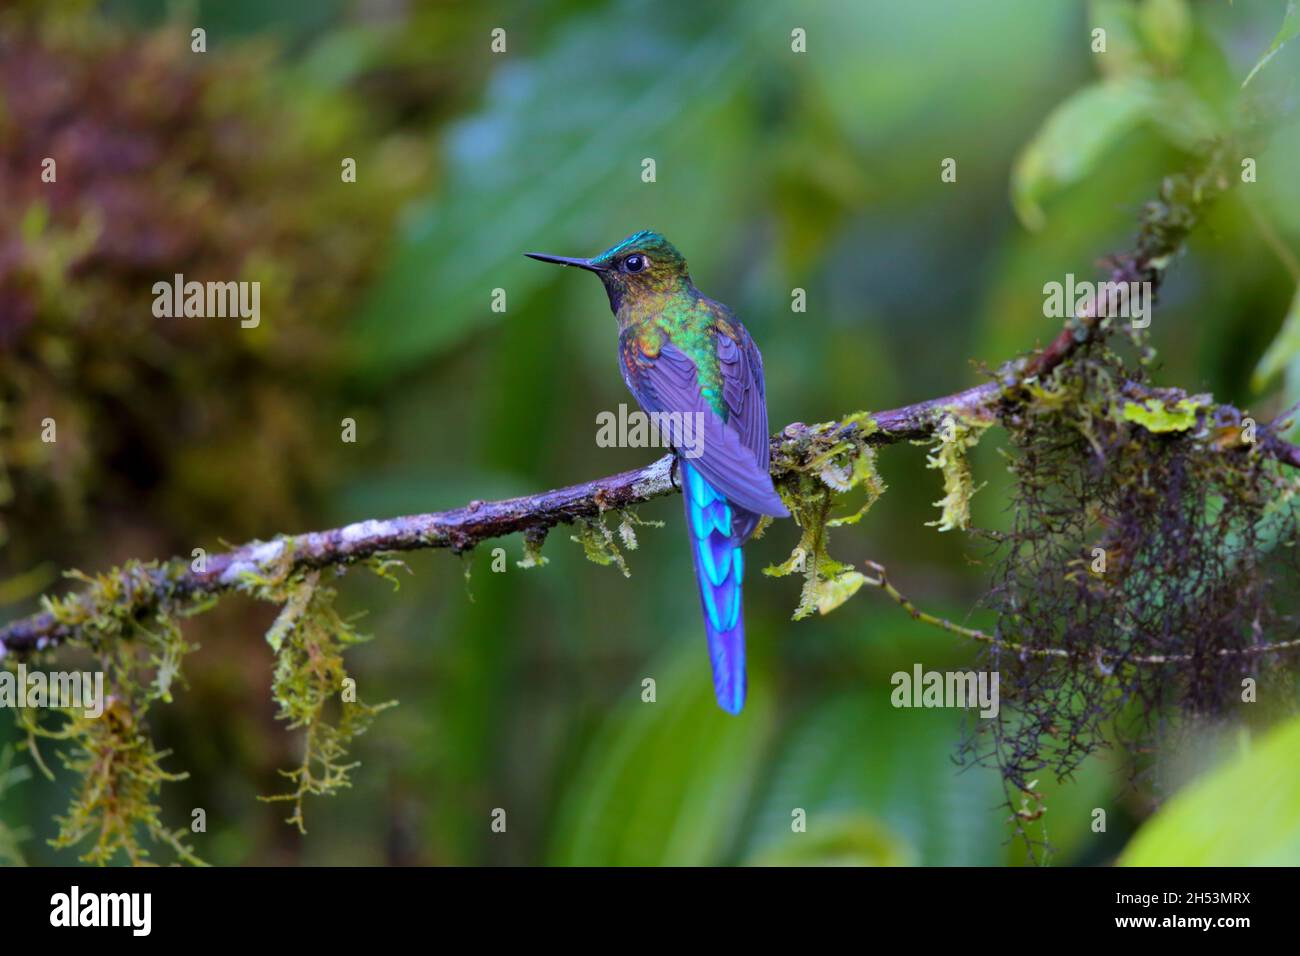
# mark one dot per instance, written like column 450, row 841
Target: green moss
column 1157, row 416
column 313, row 690
column 629, row 521
column 599, row 544
column 816, row 466
column 119, row 771
column 120, row 775
column 957, row 435
column 386, row 566
column 534, row 538
column 103, row 612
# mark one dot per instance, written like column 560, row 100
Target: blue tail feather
column 716, row 537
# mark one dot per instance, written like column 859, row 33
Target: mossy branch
column 137, row 591
column 144, row 588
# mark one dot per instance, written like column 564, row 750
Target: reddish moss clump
column 164, row 162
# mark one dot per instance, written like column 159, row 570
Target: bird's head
column 643, row 267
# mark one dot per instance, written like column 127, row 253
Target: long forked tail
column 717, row 531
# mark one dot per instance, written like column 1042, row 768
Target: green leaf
column 1284, row 348
column 831, row 592
column 1124, row 54
column 1290, row 29
column 855, row 755
column 875, row 90
column 534, row 170
column 851, row 840
column 665, row 783
column 1076, row 134
column 1166, row 29
column 1244, row 813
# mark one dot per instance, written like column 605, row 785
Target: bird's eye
column 634, row 263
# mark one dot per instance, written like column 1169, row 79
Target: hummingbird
column 682, row 352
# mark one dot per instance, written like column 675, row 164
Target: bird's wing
column 730, row 458
column 743, row 391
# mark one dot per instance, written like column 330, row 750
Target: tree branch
column 144, row 589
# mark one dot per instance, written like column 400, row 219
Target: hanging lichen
column 1142, row 572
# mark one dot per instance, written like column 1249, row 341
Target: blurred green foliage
column 775, row 170
column 1244, row 813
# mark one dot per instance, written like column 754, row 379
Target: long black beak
column 563, row 261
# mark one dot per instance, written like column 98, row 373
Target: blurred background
column 774, row 170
